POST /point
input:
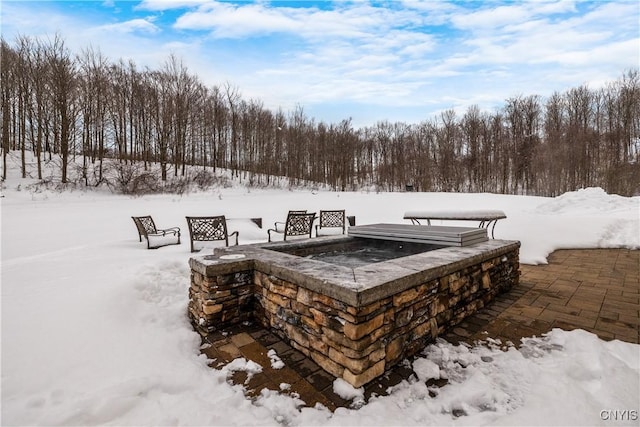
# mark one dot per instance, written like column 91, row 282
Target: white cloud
column 132, row 26
column 503, row 16
column 386, row 59
column 161, row 5
column 624, row 14
column 616, row 53
column 492, row 19
column 226, row 20
column 547, row 39
column 257, row 19
column 436, row 12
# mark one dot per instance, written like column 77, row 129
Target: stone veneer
column 353, row 322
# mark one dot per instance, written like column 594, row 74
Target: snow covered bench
column 486, row 218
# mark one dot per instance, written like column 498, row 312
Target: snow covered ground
column 94, row 325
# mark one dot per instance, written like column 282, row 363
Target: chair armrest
column 237, row 234
column 171, row 230
column 274, row 230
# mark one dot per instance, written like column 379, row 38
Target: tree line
column 56, row 103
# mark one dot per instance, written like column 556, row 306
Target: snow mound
column 348, row 392
column 621, row 234
column 276, row 362
column 592, row 200
column 425, row 369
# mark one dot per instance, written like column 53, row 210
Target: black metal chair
column 331, row 219
column 208, row 229
column 298, row 224
column 147, row 228
column 279, row 226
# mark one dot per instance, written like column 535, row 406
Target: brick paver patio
column 597, row 290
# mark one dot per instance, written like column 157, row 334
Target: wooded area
column 71, row 106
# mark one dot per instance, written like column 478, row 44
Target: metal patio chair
column 299, row 223
column 147, row 228
column 209, row 229
column 331, row 219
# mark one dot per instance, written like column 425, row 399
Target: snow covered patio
column 95, row 330
column 597, row 290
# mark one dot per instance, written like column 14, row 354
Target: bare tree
column 8, row 91
column 50, row 100
column 63, row 86
column 523, row 116
column 94, row 91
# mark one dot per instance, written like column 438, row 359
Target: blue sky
column 368, row 60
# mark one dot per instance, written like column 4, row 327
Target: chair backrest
column 207, row 228
column 332, row 219
column 145, row 225
column 299, row 224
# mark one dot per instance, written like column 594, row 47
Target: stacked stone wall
column 354, row 343
column 220, row 300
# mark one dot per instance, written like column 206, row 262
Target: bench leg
column 488, row 225
column 493, row 227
